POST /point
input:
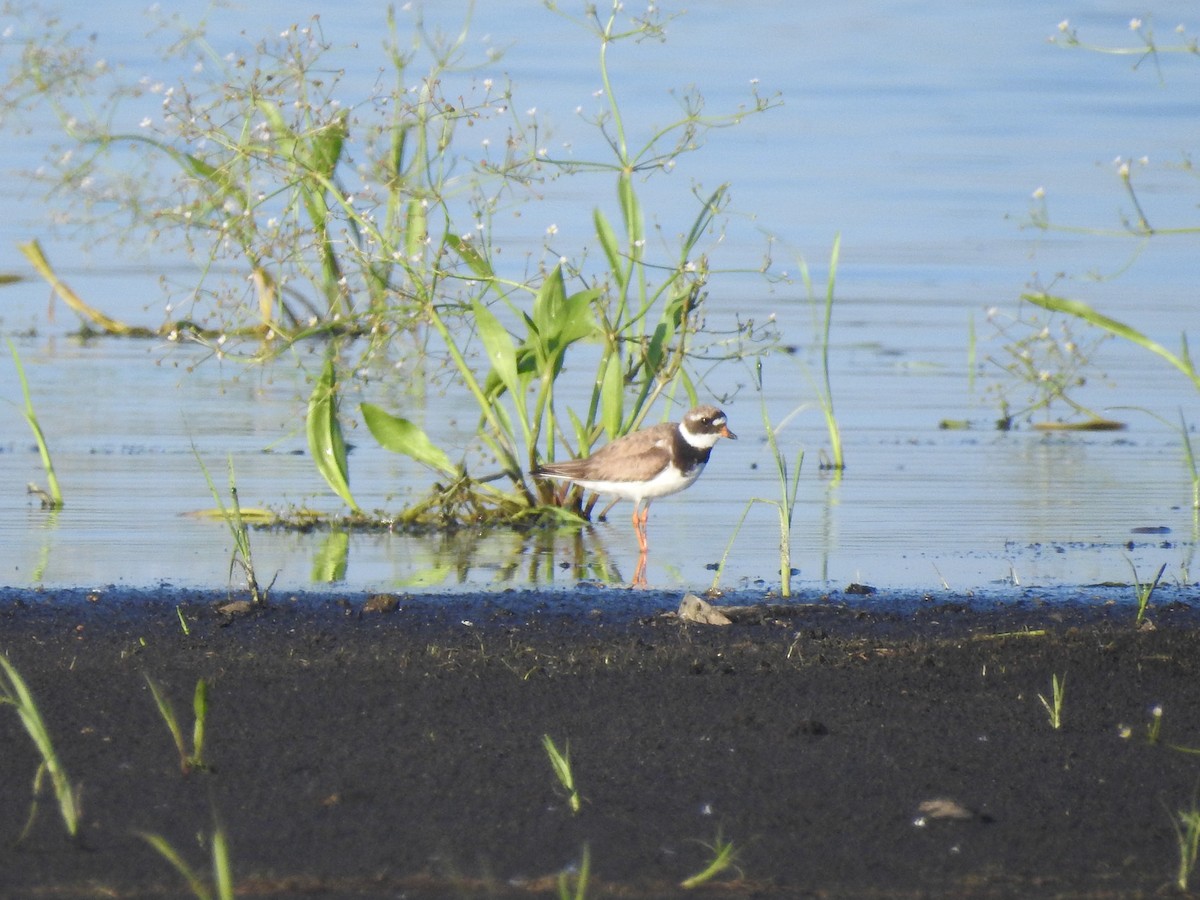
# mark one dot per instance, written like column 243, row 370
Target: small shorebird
column 654, row 462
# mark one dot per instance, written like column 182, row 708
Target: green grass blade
column 200, row 710
column 15, row 692
column 56, row 497
column 222, row 865
column 195, row 883
column 167, row 711
column 1081, row 310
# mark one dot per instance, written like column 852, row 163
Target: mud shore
column 844, row 747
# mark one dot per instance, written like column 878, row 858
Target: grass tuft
column 561, row 763
column 189, row 760
column 724, row 856
column 1054, row 705
column 14, row 692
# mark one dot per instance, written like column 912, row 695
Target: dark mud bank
column 400, row 753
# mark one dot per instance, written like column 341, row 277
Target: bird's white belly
column 669, row 481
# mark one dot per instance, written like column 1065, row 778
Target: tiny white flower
column 1135, row 24
column 532, row 111
column 487, row 84
column 1039, row 193
column 552, row 229
column 145, row 123
column 1064, row 25
column 1124, row 170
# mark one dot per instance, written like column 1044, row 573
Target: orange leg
column 639, row 527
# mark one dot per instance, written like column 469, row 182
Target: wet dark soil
column 845, row 747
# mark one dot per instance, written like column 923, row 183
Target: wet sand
column 399, row 754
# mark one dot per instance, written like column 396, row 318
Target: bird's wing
column 634, row 457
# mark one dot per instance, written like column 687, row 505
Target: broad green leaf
column 501, row 353
column 612, row 396
column 656, row 352
column 578, row 321
column 548, row 304
column 1081, row 310
column 608, row 241
column 470, row 255
column 326, row 146
column 325, row 441
column 402, row 436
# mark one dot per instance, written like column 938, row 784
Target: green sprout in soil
column 580, row 877
column 1054, row 705
column 53, row 499
column 1186, row 823
column 724, row 856
column 15, row 692
column 221, row 866
column 1145, row 590
column 189, row 760
column 242, row 555
column 561, row 763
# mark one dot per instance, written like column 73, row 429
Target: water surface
column 920, row 138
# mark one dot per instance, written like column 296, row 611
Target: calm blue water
column 918, row 134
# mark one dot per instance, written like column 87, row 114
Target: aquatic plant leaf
column 470, row 255
column 1081, row 310
column 608, row 241
column 501, row 353
column 326, row 146
column 549, row 304
column 32, row 251
column 711, row 207
column 325, row 441
column 632, row 211
column 402, row 436
column 56, row 497
column 414, row 230
column 612, row 396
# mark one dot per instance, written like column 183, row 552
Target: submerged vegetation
column 370, row 220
